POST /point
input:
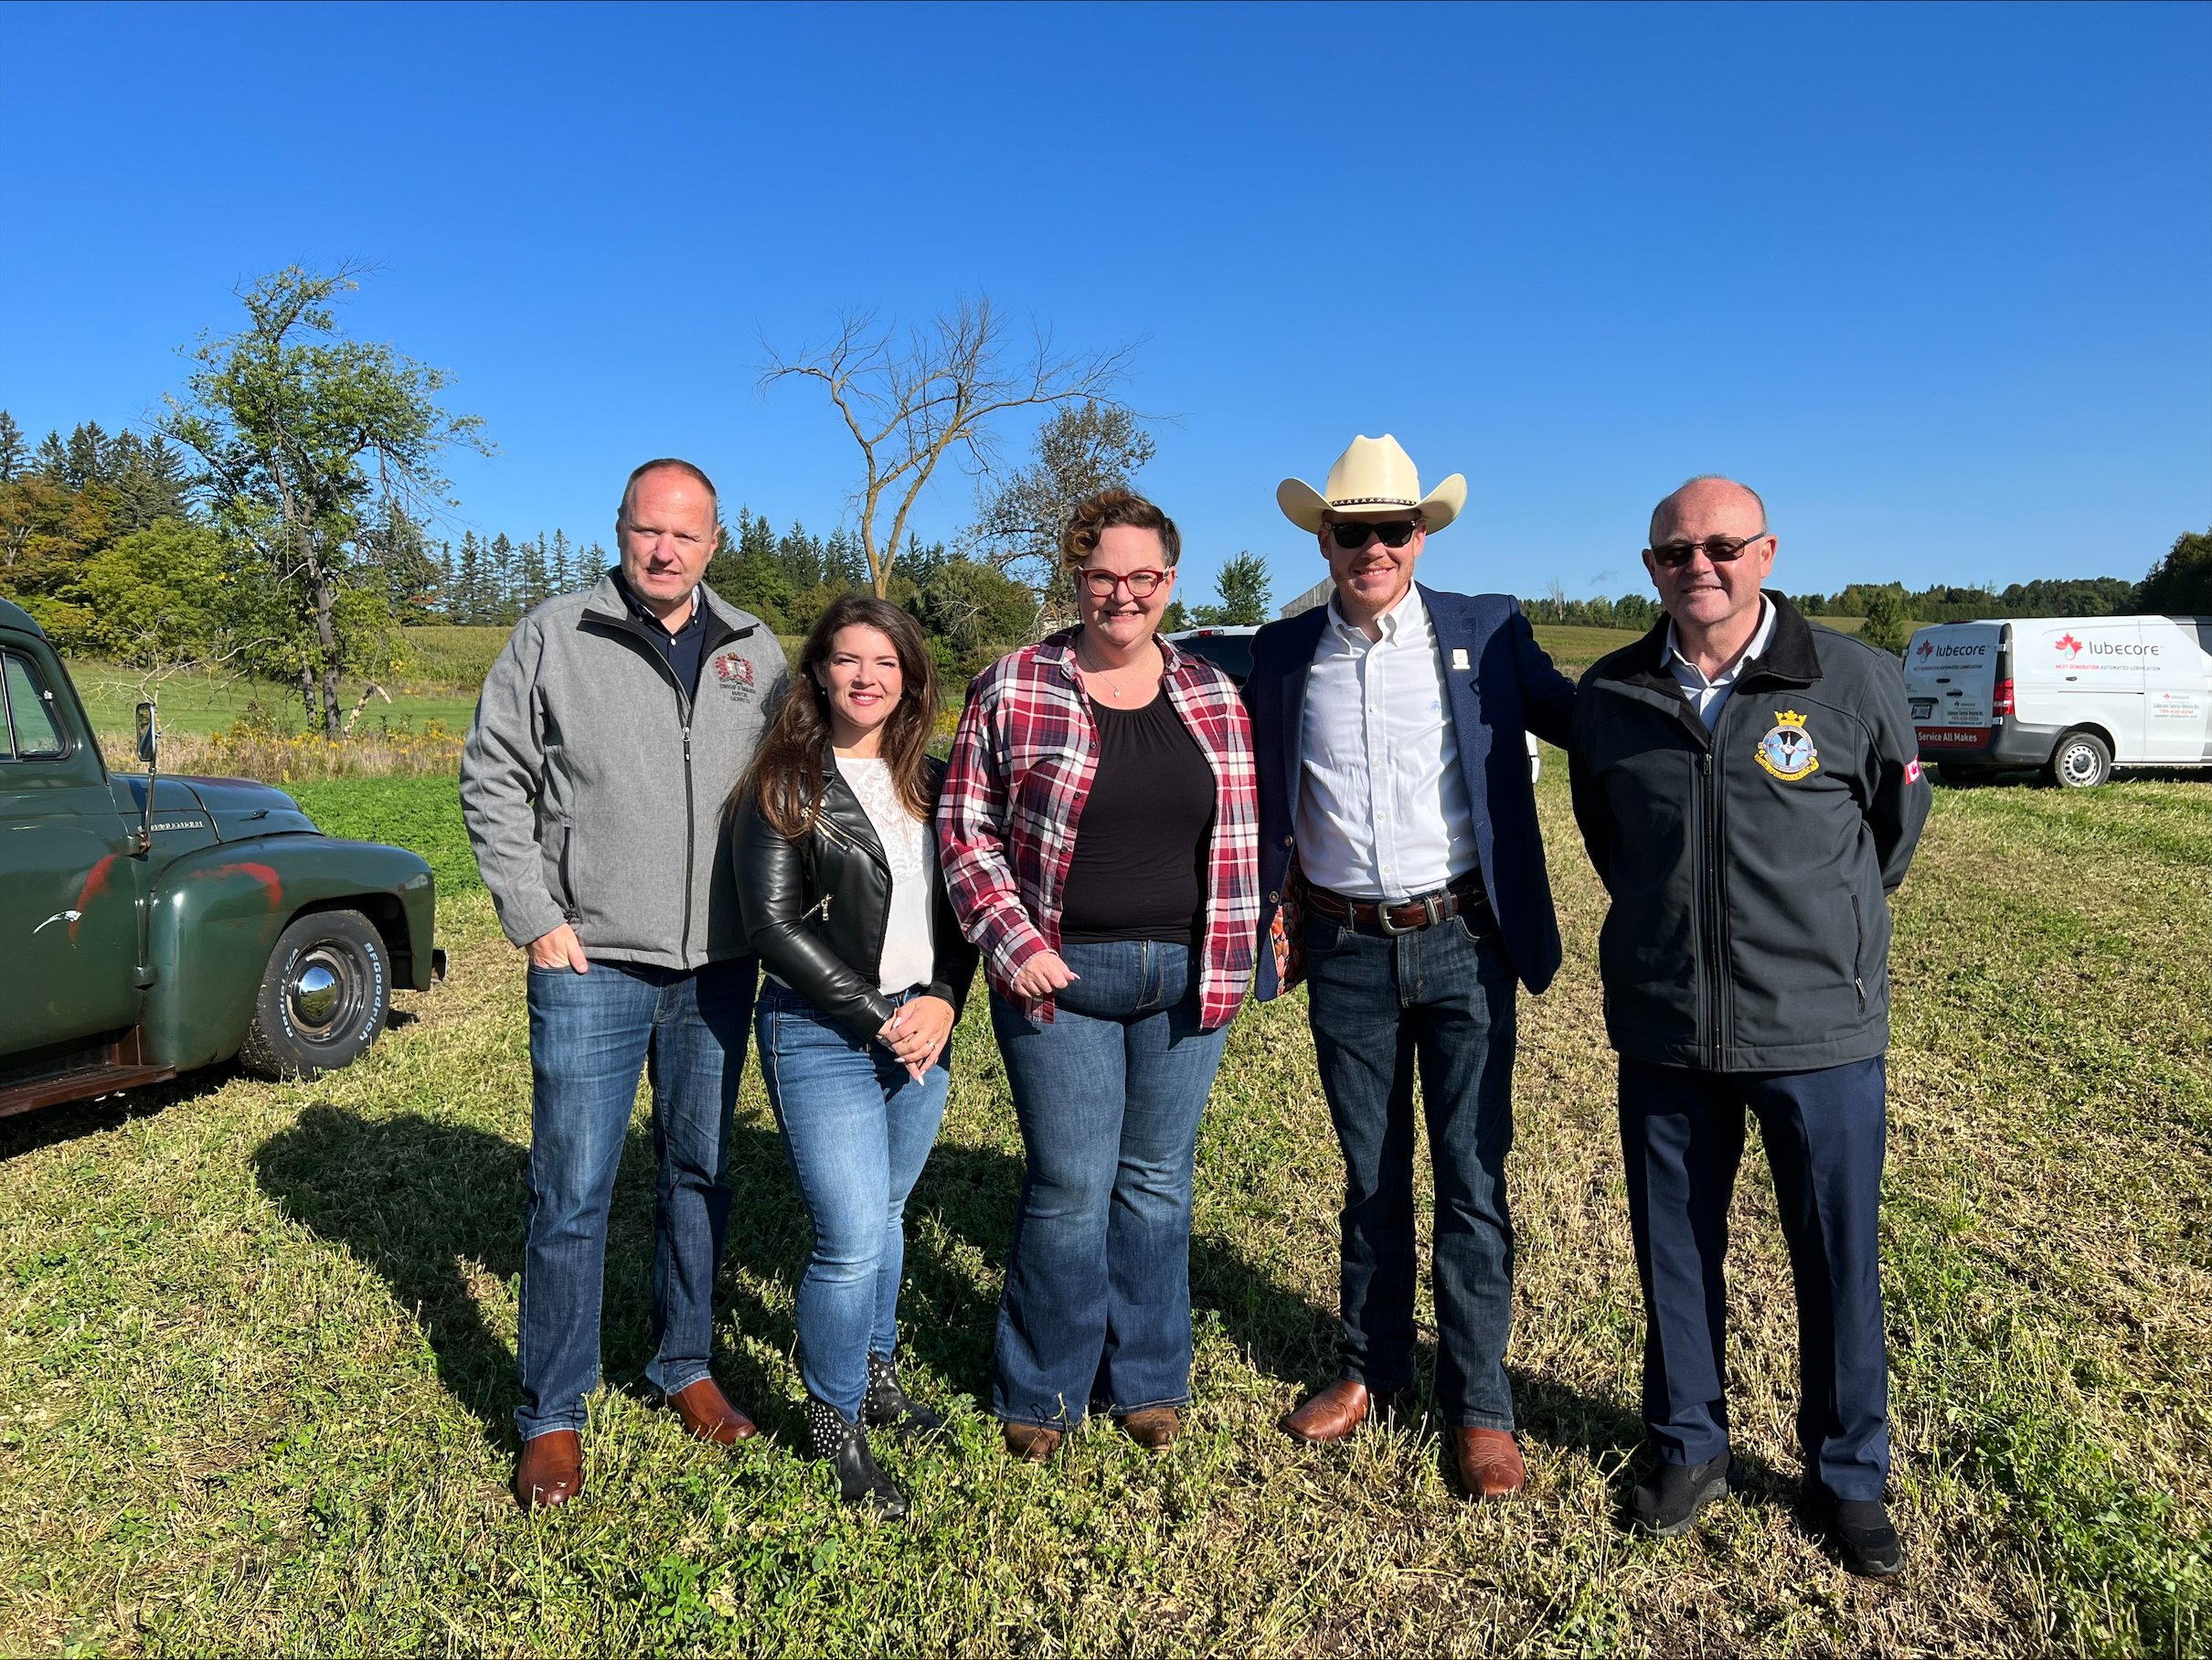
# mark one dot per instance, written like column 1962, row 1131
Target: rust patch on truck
column 271, row 884
column 95, row 884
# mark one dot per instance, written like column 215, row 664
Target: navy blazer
column 1509, row 687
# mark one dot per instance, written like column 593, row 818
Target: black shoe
column 1860, row 1530
column 844, row 1445
column 890, row 1407
column 1668, row 1500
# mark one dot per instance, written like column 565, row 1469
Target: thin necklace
column 1112, row 690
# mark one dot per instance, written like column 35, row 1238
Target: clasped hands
column 917, row 1033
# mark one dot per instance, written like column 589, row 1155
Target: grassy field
column 197, row 702
column 258, row 1342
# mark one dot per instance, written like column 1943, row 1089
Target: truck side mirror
column 149, row 749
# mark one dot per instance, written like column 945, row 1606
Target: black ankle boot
column 844, row 1445
column 887, row 1405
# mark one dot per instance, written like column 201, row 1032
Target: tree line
column 2181, row 581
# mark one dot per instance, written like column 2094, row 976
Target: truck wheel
column 324, row 997
column 2080, row 761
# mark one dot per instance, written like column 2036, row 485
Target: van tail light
column 2002, row 703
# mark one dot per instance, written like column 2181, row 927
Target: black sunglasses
column 1352, row 535
column 1720, row 549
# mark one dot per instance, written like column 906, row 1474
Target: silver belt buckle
column 1429, row 904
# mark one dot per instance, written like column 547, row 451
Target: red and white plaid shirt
column 1021, row 768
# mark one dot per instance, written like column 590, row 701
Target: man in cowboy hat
column 1401, row 874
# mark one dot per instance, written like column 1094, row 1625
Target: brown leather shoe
column 708, row 1414
column 1033, row 1442
column 1490, row 1463
column 1154, row 1427
column 1334, row 1413
column 550, row 1471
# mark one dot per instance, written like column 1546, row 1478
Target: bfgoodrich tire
column 2082, row 761
column 324, row 997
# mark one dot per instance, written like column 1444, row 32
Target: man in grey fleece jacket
column 1749, row 790
column 611, row 733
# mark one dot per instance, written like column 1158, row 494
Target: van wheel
column 324, row 997
column 2080, row 761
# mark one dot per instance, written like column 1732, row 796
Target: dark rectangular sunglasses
column 1352, row 534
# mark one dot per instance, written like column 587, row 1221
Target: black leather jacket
column 816, row 908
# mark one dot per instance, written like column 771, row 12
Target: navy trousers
column 1682, row 1134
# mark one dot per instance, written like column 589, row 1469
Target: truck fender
column 217, row 914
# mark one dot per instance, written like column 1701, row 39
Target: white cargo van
column 2075, row 695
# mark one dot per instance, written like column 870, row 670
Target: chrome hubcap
column 317, row 992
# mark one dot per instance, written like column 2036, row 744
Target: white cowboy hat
column 1373, row 479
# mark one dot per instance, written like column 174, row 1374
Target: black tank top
column 1139, row 867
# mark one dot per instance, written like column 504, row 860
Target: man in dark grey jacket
column 1748, row 786
column 609, row 733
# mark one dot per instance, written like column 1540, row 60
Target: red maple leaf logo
column 2068, row 643
column 1927, row 648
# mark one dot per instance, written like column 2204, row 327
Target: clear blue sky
column 1937, row 280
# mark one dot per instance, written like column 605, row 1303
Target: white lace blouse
column 908, row 953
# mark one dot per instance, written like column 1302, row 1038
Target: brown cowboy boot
column 1489, row 1462
column 1033, row 1442
column 550, row 1471
column 708, row 1414
column 1154, row 1427
column 1334, row 1412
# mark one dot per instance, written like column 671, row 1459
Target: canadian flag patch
column 1912, row 770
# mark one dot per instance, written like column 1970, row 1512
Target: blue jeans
column 1109, row 1096
column 1681, row 1135
column 1438, row 1001
column 858, row 1129
column 589, row 1036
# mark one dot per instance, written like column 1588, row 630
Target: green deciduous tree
column 305, row 437
column 1888, row 621
column 1244, row 591
column 1080, row 449
column 2180, row 583
column 158, row 597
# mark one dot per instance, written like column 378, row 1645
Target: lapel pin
column 1458, row 656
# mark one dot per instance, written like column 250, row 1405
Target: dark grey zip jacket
column 593, row 787
column 1749, row 869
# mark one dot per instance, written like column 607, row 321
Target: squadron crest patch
column 1787, row 751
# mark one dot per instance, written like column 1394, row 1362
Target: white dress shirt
column 1712, row 696
column 1383, row 811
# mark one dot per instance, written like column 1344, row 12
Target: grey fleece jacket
column 593, row 787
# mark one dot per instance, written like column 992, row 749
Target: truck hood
column 232, row 808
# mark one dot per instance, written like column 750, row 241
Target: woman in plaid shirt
column 1098, row 836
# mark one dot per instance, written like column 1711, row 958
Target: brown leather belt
column 1464, row 898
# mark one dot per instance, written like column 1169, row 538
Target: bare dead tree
column 911, row 398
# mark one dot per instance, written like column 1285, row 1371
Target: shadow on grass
column 24, row 1133
column 434, row 1205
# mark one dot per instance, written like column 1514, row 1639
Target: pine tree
column 536, row 589
column 445, row 581
column 52, row 462
column 500, row 581
column 11, row 453
column 468, row 606
column 86, row 459
column 560, row 564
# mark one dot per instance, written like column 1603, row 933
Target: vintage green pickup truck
column 149, row 925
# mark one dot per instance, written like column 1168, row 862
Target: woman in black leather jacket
column 867, row 972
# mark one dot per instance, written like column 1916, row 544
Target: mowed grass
column 200, row 702
column 258, row 1342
